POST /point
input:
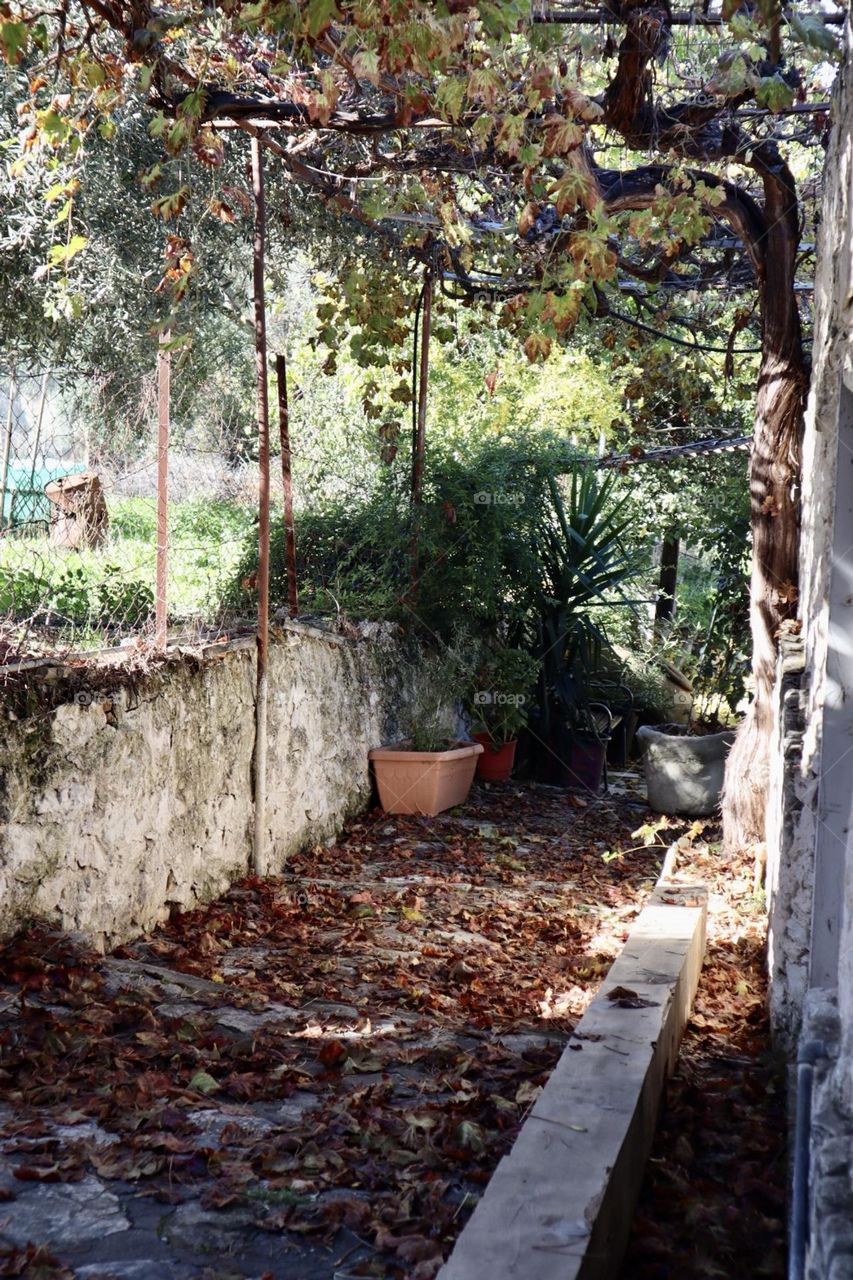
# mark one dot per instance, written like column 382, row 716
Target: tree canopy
column 645, row 165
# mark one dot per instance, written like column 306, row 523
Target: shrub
column 474, row 533
column 75, row 594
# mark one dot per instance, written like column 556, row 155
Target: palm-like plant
column 583, row 562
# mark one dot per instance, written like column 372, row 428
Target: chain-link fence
column 78, row 520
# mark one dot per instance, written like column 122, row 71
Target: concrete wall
column 125, row 794
column 810, row 845
column 812, row 781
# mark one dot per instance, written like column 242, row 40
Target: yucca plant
column 582, row 562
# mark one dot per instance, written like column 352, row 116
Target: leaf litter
column 714, row 1199
column 315, row 1075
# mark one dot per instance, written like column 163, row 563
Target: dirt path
column 314, row 1076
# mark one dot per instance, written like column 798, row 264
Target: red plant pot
column 495, row 764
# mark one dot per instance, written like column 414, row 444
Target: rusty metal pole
column 164, row 390
column 259, row 847
column 287, row 483
column 39, row 423
column 419, row 444
column 7, row 452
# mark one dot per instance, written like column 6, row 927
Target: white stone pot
column 684, row 774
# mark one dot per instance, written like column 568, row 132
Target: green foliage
column 68, row 592
column 474, row 530
column 580, row 549
column 443, row 677
column 713, row 620
column 133, row 518
column 501, row 699
column 582, row 563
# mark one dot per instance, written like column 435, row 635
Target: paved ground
column 314, row 1076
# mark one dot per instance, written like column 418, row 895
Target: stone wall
column 810, row 838
column 790, row 851
column 808, row 841
column 125, row 794
column 829, row 1246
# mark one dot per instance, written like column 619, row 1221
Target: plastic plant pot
column 424, row 782
column 496, row 762
column 583, row 768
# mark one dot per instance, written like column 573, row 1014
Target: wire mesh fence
column 78, row 519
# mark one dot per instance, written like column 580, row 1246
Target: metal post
column 7, row 452
column 419, row 448
column 37, row 441
column 164, row 381
column 287, row 483
column 259, row 847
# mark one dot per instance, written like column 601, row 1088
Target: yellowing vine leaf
column 61, row 253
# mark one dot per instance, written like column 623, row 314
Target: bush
column 204, row 522
column 63, row 593
column 474, row 530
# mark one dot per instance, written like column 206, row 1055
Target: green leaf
column 366, row 65
column 171, row 205
column 813, row 32
column 451, row 96
column 13, row 41
column 774, row 93
column 204, row 1082
column 319, row 15
column 60, row 253
column 65, row 211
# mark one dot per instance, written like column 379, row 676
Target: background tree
column 510, row 156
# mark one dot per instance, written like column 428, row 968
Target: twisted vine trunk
column 770, row 234
column 774, row 494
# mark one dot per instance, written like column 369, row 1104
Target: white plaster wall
column 832, row 356
column 793, row 828
column 113, row 813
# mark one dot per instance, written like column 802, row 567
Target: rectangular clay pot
column 425, row 782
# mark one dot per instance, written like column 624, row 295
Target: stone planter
column 684, row 774
column 424, row 782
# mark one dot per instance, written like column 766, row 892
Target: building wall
column 810, row 838
column 790, row 851
column 124, row 795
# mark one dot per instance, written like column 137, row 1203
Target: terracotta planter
column 425, row 782
column 495, row 764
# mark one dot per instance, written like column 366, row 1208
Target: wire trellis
column 78, row 519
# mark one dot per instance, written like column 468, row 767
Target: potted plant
column 582, row 563
column 499, row 708
column 431, row 770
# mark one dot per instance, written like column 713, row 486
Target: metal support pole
column 419, row 443
column 164, row 387
column 7, row 453
column 259, row 848
column 287, row 483
column 39, row 422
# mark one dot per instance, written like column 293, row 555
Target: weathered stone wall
column 123, row 796
column 829, row 1247
column 790, row 851
column 810, row 840
column 798, row 800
